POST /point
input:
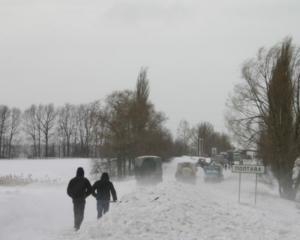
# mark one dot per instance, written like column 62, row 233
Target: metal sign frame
column 249, row 169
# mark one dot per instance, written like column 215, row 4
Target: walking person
column 101, row 190
column 79, row 188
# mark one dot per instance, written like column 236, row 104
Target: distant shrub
column 17, row 180
column 11, row 180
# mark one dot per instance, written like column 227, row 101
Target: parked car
column 213, row 172
column 148, row 169
column 186, row 172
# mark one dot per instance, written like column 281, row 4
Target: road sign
column 248, row 169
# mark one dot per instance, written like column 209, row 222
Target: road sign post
column 250, row 169
column 240, row 180
column 255, row 188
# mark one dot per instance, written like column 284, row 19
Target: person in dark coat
column 101, row 190
column 79, row 188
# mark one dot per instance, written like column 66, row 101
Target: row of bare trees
column 264, row 110
column 9, row 127
column 67, row 131
column 123, row 126
column 200, row 139
column 46, row 131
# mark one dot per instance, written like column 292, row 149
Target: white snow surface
column 169, row 210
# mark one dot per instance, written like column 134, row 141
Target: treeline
column 119, row 128
column 124, row 125
column 200, row 139
column 43, row 131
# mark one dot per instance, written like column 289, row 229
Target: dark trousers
column 78, row 212
column 102, row 207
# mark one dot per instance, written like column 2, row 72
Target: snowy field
column 169, row 210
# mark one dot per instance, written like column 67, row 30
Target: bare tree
column 4, row 118
column 14, row 124
column 118, row 107
column 84, row 129
column 30, row 127
column 184, row 135
column 201, row 135
column 204, row 138
column 66, row 127
column 47, row 121
column 98, row 128
column 283, row 140
column 140, row 108
column 38, row 122
column 264, row 110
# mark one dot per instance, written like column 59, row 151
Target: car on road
column 148, row 169
column 202, row 162
column 213, row 172
column 186, row 172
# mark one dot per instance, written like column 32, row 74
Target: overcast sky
column 78, row 51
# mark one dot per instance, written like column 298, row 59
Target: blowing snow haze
column 142, row 90
column 80, row 51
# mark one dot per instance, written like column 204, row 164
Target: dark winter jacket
column 103, row 188
column 79, row 187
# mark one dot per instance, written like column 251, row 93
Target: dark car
column 202, row 162
column 148, row 169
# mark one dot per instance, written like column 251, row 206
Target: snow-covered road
column 170, row 210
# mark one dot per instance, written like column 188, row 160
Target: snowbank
column 46, row 168
column 169, row 210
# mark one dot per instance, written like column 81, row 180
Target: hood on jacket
column 105, row 177
column 80, row 172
